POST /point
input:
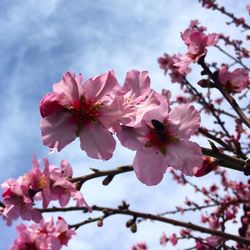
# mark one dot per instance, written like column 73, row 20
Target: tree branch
column 107, row 211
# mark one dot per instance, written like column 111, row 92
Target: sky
column 40, row 40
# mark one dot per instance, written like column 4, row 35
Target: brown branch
column 224, row 160
column 232, row 57
column 113, row 211
column 227, row 147
column 203, row 102
column 215, row 6
column 227, row 161
column 100, row 173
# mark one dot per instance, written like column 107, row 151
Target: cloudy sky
column 40, row 40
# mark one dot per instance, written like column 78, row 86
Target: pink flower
column 50, row 184
column 214, row 241
column 62, row 231
column 40, row 182
column 61, row 188
column 196, row 42
column 239, row 21
column 139, row 97
column 229, row 214
column 173, row 239
column 184, row 232
column 195, row 24
column 208, row 165
column 167, row 63
column 82, row 109
column 163, row 240
column 140, row 246
column 27, row 240
column 18, row 201
column 43, row 236
column 162, row 140
column 234, row 81
column 199, row 245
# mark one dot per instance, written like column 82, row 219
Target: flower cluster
column 98, row 108
column 223, row 203
column 43, row 236
column 93, row 110
column 50, row 184
column 167, row 63
column 196, row 42
column 234, row 81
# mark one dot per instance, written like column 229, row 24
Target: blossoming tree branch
column 160, row 129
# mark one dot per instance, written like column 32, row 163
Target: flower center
column 42, row 183
column 30, row 246
column 83, row 112
column 158, row 137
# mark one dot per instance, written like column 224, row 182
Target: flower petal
column 184, row 121
column 57, row 130
column 185, row 156
column 97, row 141
column 132, row 138
column 149, row 165
column 70, row 86
column 103, row 85
column 138, row 82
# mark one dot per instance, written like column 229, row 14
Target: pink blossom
column 18, row 201
column 140, row 246
column 234, row 81
column 163, row 239
column 27, row 240
column 62, row 231
column 52, row 183
column 195, row 24
column 40, row 182
column 208, row 4
column 229, row 215
column 61, row 188
column 173, row 239
column 139, row 96
column 214, row 222
column 196, row 42
column 184, row 232
column 82, row 109
column 162, row 140
column 43, row 236
column 167, row 63
column 208, row 165
column 214, row 241
column 239, row 21
column 199, row 245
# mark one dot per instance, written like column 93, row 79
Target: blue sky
column 40, row 40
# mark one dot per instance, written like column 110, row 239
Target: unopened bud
column 133, row 228
column 129, row 223
column 107, row 180
column 204, row 83
column 100, row 223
